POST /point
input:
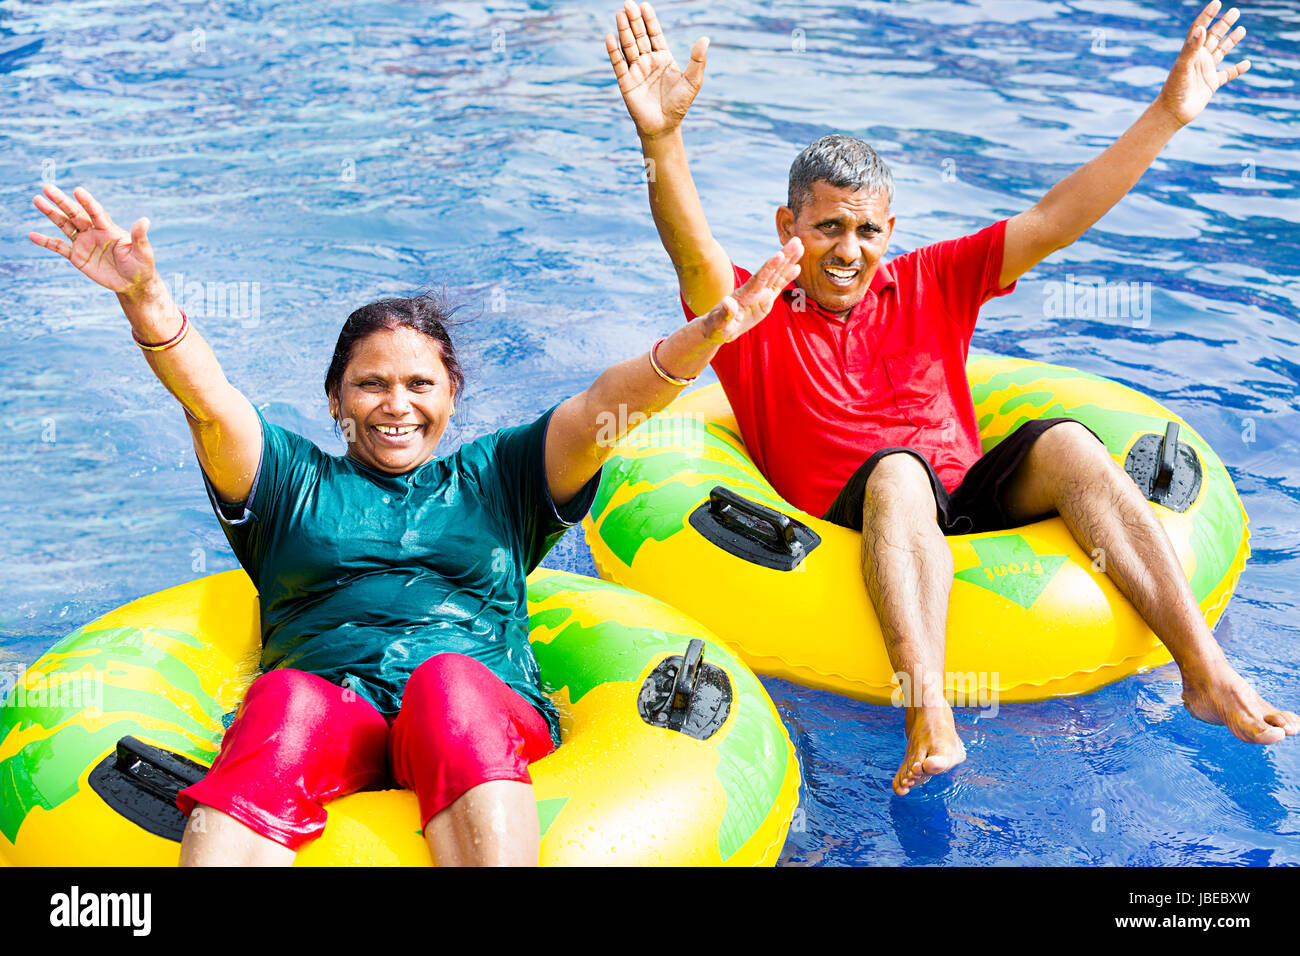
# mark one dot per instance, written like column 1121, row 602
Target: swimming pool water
column 304, row 159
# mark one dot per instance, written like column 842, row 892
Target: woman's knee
column 446, row 680
column 301, row 713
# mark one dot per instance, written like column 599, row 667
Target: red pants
column 298, row 741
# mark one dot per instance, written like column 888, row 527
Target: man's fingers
column 615, row 56
column 1217, row 31
column 653, row 31
column 1232, row 72
column 638, row 27
column 626, row 39
column 1203, row 20
column 694, row 72
column 1228, row 43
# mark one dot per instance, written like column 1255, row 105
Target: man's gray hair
column 842, row 161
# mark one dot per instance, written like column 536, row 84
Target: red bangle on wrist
column 659, row 369
column 173, row 341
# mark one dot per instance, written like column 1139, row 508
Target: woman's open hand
column 739, row 312
column 102, row 250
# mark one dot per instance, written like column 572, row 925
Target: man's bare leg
column 493, row 824
column 1068, row 471
column 907, row 566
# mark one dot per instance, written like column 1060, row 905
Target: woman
column 391, row 581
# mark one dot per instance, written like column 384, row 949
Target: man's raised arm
column 1076, row 202
column 657, row 95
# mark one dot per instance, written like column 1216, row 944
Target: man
column 854, row 401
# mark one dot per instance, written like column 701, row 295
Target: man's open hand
column 1195, row 75
column 657, row 93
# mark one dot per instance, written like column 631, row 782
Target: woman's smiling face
column 394, row 400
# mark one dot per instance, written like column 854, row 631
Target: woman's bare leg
column 493, row 824
column 213, row 838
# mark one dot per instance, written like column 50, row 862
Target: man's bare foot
column 1224, row 697
column 933, row 747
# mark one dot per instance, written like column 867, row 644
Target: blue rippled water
column 326, row 154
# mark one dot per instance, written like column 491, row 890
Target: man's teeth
column 841, row 273
column 396, row 431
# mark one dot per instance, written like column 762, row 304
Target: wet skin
column 394, row 379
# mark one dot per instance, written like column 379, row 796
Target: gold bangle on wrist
column 659, row 370
column 171, row 342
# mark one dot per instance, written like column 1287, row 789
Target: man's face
column 845, row 233
column 394, row 401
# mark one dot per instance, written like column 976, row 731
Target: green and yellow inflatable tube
column 621, row 789
column 1030, row 615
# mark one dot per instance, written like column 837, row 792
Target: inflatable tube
column 1030, row 615
column 139, row 694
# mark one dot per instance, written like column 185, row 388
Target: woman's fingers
column 774, row 272
column 97, row 214
column 55, row 215
column 757, row 294
column 54, row 245
column 70, row 208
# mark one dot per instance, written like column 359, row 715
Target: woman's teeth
column 395, row 431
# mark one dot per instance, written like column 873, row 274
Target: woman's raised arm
column 585, row 428
column 226, row 430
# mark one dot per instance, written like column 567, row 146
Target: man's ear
column 785, row 224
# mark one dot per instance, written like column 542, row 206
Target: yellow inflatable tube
column 720, row 789
column 1030, row 615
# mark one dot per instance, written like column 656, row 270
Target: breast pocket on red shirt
column 921, row 393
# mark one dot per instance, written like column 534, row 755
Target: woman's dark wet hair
column 428, row 314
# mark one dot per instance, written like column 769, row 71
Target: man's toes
column 1289, row 722
column 908, row 776
column 1270, row 736
column 1258, row 733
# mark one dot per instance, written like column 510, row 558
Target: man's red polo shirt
column 815, row 396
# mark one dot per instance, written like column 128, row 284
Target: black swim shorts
column 974, row 505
